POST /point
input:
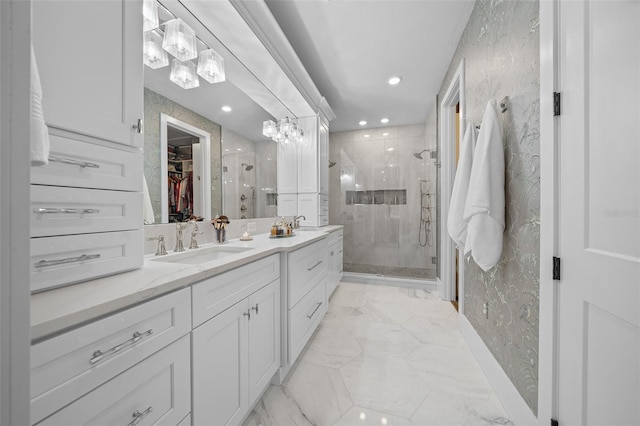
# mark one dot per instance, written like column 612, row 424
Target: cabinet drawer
column 76, row 162
column 304, row 318
column 214, row 295
column 307, row 266
column 323, row 220
column 58, row 261
column 67, row 366
column 324, row 201
column 157, row 391
column 57, row 210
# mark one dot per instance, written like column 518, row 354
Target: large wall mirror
column 202, row 159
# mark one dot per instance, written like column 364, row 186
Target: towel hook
column 503, row 104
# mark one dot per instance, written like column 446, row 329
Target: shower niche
column 379, row 196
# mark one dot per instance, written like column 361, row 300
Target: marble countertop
column 60, row 309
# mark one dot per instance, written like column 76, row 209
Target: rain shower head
column 418, row 155
column 247, row 167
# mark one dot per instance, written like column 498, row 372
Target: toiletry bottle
column 274, row 230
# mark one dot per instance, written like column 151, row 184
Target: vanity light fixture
column 211, row 66
column 154, row 56
column 184, row 74
column 394, row 80
column 149, row 15
column 285, row 131
column 384, row 120
column 179, row 40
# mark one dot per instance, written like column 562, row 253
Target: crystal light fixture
column 285, row 131
column 179, row 40
column 149, row 15
column 154, row 56
column 211, row 66
column 184, row 74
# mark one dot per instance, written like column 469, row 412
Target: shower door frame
column 455, row 95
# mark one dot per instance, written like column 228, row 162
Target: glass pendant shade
column 211, row 66
column 184, row 74
column 285, row 125
column 269, row 128
column 153, row 55
column 179, row 40
column 149, row 15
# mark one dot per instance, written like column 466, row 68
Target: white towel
column 484, row 207
column 147, row 207
column 456, row 225
column 39, row 130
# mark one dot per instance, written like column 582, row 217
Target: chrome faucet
column 180, row 227
column 296, row 222
column 194, row 242
column 160, row 250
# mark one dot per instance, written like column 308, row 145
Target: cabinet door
column 287, row 170
column 264, row 338
column 220, row 394
column 332, row 272
column 308, row 157
column 89, row 57
column 323, row 157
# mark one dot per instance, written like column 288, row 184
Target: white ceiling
column 351, row 47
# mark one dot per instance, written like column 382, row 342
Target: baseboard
column 517, row 409
column 353, row 277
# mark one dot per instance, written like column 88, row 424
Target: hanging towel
column 484, row 207
column 147, row 207
column 456, row 225
column 39, row 130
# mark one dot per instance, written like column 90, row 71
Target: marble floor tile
column 383, row 355
column 440, row 408
column 319, row 391
column 384, row 383
column 332, row 347
column 359, row 416
column 387, row 339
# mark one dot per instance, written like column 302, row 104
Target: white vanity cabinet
column 86, row 204
column 334, row 269
column 110, row 369
column 306, row 295
column 89, row 56
column 236, row 341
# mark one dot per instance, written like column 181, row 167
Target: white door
column 599, row 240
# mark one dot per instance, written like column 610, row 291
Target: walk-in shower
column 380, row 190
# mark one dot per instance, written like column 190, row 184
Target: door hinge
column 554, row 422
column 556, row 103
column 556, row 268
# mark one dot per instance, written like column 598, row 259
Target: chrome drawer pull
column 138, row 416
column 47, row 210
column 314, row 266
column 71, row 161
column 137, row 336
column 82, row 258
column 315, row 310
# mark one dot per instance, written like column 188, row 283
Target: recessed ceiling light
column 394, row 80
column 390, row 149
column 362, row 122
column 384, row 120
column 226, row 108
column 385, row 134
column 366, row 136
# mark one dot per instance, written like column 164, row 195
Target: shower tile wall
column 501, row 49
column 382, row 238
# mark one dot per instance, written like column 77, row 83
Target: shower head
column 248, row 166
column 332, row 163
column 418, row 155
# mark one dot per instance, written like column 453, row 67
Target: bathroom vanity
column 175, row 336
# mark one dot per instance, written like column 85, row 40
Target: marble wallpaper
column 500, row 46
column 384, row 238
column 154, row 104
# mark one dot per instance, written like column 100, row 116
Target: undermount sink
column 194, row 257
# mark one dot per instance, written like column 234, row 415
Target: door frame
column 205, row 144
column 455, row 95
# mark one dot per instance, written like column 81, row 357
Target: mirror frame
column 205, row 166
